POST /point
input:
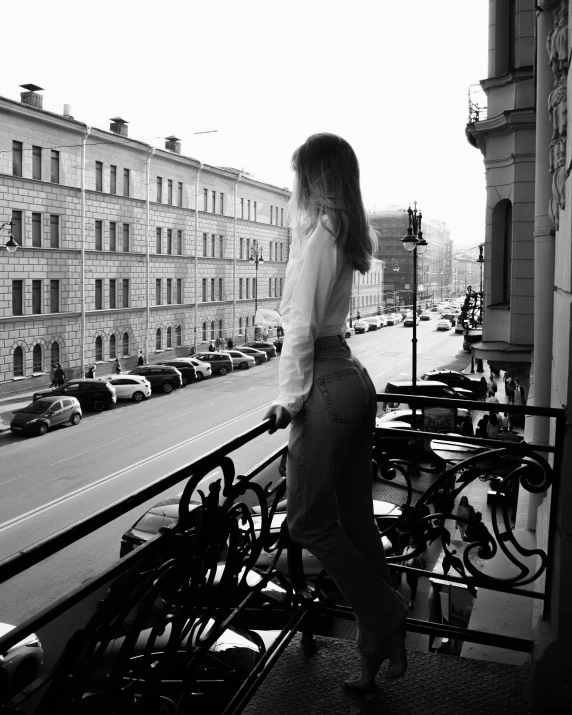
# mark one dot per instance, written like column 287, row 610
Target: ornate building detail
column 557, row 51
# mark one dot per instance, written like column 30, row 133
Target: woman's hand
column 280, row 416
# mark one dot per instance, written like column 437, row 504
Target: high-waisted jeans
column 329, row 482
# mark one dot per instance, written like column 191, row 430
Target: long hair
column 327, row 185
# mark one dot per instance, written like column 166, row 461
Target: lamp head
column 409, row 241
column 481, row 258
column 251, row 259
column 11, row 245
column 421, row 244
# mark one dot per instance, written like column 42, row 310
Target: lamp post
column 481, row 262
column 11, row 246
column 415, row 243
column 255, row 258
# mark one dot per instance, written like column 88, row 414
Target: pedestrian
column 482, row 390
column 493, row 426
column 467, row 427
column 90, row 374
column 141, row 359
column 217, row 343
column 493, row 398
column 117, row 367
column 467, row 514
column 509, row 387
column 505, row 422
column 229, row 344
column 60, row 375
column 53, row 374
column 482, row 425
column 222, row 344
column 493, row 387
column 417, row 562
column 211, row 347
column 329, row 473
column 477, row 531
column 192, row 351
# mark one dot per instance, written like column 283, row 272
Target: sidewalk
column 9, row 404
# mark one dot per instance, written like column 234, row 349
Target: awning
column 500, row 350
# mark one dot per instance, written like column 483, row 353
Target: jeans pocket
column 344, row 395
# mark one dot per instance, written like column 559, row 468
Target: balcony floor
column 304, row 683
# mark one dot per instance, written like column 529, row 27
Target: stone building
column 124, row 247
column 367, row 291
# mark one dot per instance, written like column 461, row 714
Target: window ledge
column 38, row 374
column 169, row 348
column 20, row 377
column 499, row 306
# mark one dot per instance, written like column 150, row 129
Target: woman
column 417, row 562
column 331, row 401
column 493, row 426
column 117, row 367
column 466, row 511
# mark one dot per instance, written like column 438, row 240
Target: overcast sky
column 391, row 77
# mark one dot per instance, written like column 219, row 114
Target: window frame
column 37, row 163
column 99, row 176
column 17, row 158
column 113, row 179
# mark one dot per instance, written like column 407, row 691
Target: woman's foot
column 391, row 648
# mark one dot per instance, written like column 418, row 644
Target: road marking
column 92, row 449
column 11, row 480
column 184, row 413
column 17, row 520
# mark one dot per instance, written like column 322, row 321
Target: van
column 423, row 388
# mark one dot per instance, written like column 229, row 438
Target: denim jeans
column 329, row 481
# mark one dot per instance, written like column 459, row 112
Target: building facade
column 367, row 292
column 124, row 248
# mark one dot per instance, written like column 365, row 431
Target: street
column 71, row 472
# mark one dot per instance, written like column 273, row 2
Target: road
column 68, row 474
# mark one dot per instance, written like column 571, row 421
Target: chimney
column 31, row 97
column 67, row 111
column 119, row 126
column 173, row 144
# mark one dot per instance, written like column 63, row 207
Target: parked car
column 398, row 318
column 390, row 319
column 408, row 320
column 425, row 315
column 277, row 345
column 161, row 377
column 240, row 359
column 444, row 324
column 361, row 326
column 453, row 378
column 22, row 663
column 259, row 355
column 219, row 362
column 130, row 387
column 424, row 388
column 434, row 309
column 450, row 316
column 188, row 372
column 374, row 323
column 92, row 394
column 40, row 416
column 203, row 369
column 349, row 332
column 268, row 348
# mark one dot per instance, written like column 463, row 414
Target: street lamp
column 255, row 258
column 481, row 262
column 11, row 246
column 416, row 244
column 396, row 271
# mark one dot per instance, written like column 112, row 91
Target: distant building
column 367, row 291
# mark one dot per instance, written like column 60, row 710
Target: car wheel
column 42, row 429
column 222, row 371
column 98, row 405
column 138, row 396
column 257, row 361
column 200, row 376
column 76, row 418
column 243, row 365
column 167, row 388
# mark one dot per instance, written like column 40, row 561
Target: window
column 240, row 326
column 179, row 290
column 55, row 353
column 17, row 226
column 179, row 242
column 54, row 296
column 112, row 236
column 221, row 204
column 275, row 251
column 125, row 344
column 204, row 290
column 282, row 217
column 212, row 289
column 270, row 287
column 275, row 287
column 98, row 349
column 212, row 330
column 204, row 332
column 159, row 189
column 17, row 152
column 157, row 291
column 54, row 231
column 247, row 248
column 254, row 210
column 281, row 285
column 17, row 297
column 125, row 182
column 126, row 292
column 126, row 237
column 501, row 257
column 205, row 199
column 270, row 243
column 169, row 338
column 248, row 216
column 241, row 254
column 204, row 244
column 170, row 192
column 169, row 291
column 98, row 294
column 213, row 195
column 213, row 245
column 55, row 167
column 220, row 291
column 220, row 328
column 247, row 288
column 180, row 193
column 221, row 246
column 271, row 210
column 98, row 176
column 240, row 287
column 37, row 230
column 37, row 359
column 112, row 179
column 18, row 362
column 112, row 293
column 281, row 252
column 37, row 162
column 112, row 347
column 158, row 240
column 158, row 339
column 179, row 336
column 36, row 297
column 169, row 241
column 99, row 235
column 241, row 208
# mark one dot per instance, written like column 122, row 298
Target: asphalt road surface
column 50, row 482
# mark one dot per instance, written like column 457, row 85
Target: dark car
column 424, row 388
column 451, row 317
column 220, row 363
column 187, row 370
column 278, row 345
column 408, row 321
column 39, row 416
column 477, row 385
column 91, row 394
column 161, row 377
column 268, row 348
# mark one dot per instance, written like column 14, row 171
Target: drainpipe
column 82, row 255
column 147, row 258
column 543, row 253
column 238, row 178
column 197, row 254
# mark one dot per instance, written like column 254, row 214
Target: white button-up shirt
column 316, row 300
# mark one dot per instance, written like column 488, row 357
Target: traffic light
column 379, row 309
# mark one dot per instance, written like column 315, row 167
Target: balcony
column 477, row 104
column 148, row 634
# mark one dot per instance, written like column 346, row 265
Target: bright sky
column 389, row 76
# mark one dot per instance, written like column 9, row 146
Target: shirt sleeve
column 307, row 306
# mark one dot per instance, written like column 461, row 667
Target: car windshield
column 151, row 523
column 36, row 408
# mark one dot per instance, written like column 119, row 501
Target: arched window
column 18, row 362
column 204, row 332
column 125, row 344
column 37, row 358
column 212, row 330
column 98, row 348
column 247, row 321
column 158, row 340
column 501, row 252
column 112, row 347
column 169, row 338
column 179, row 334
column 55, row 353
column 240, row 326
column 220, row 324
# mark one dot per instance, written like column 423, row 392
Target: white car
column 240, row 359
column 374, row 323
column 361, row 326
column 259, row 355
column 130, row 387
column 203, row 368
column 22, row 663
column 444, row 324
